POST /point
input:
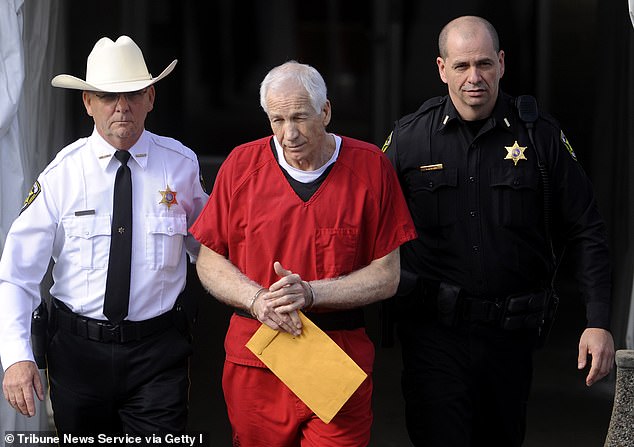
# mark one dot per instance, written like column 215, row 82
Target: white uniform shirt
column 67, row 217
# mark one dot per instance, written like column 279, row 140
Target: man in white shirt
column 109, row 372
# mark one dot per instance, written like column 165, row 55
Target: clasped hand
column 277, row 307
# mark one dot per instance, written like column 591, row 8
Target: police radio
column 527, row 110
column 528, row 113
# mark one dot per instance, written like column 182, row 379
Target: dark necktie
column 117, row 295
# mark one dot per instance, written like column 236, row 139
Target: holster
column 448, row 304
column 39, row 334
column 186, row 314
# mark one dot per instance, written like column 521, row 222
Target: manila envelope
column 312, row 365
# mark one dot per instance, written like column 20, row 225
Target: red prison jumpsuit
column 254, row 217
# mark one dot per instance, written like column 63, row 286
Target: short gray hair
column 307, row 76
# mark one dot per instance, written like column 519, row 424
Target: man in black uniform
column 476, row 285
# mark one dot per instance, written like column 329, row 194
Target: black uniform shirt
column 475, row 194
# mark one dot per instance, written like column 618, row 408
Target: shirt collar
column 105, row 152
column 503, row 115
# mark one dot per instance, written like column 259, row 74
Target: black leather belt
column 330, row 321
column 104, row 331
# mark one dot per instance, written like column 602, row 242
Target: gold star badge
column 168, row 197
column 515, row 153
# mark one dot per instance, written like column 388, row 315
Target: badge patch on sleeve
column 568, row 146
column 33, row 193
column 386, row 145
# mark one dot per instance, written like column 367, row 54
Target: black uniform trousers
column 138, row 387
column 466, row 385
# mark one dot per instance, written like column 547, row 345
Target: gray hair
column 307, row 76
column 468, row 30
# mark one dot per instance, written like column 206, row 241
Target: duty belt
column 478, row 309
column 104, row 331
column 330, row 321
column 453, row 306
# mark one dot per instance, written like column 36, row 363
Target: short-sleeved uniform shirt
column 254, row 218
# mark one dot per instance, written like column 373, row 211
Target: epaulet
column 430, row 104
column 173, row 145
column 550, row 120
column 65, row 152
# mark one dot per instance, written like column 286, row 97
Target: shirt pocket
column 435, row 197
column 516, row 199
column 335, row 251
column 88, row 240
column 164, row 240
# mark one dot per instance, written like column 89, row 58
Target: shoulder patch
column 568, row 146
column 33, row 193
column 386, row 145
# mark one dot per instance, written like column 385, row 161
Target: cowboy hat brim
column 72, row 82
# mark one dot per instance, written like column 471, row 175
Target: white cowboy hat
column 113, row 67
